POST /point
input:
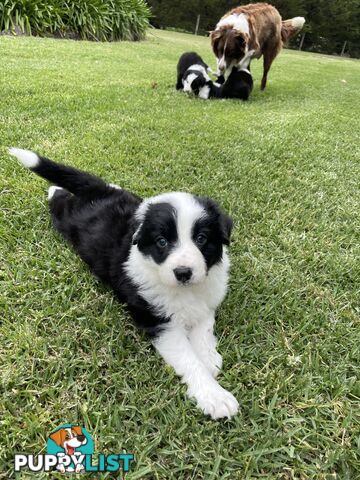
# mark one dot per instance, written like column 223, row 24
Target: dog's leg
column 176, row 349
column 204, row 342
column 270, row 53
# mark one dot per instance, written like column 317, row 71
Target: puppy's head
column 181, row 237
column 194, row 81
column 229, row 46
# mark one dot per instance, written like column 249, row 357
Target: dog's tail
column 291, row 27
column 75, row 181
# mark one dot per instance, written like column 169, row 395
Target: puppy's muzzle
column 182, row 274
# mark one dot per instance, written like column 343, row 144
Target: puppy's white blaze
column 28, row 158
column 52, row 190
column 185, row 253
column 204, row 92
column 298, row 22
column 236, row 21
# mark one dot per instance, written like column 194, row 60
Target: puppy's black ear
column 219, row 218
column 226, row 226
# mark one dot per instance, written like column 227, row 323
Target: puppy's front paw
column 216, row 401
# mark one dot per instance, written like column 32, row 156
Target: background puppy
column 192, row 72
column 165, row 256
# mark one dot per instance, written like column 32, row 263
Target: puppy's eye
column 201, row 239
column 161, row 242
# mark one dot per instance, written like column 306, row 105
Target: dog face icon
column 69, row 438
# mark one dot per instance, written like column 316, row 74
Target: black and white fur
column 239, row 84
column 193, row 76
column 164, row 256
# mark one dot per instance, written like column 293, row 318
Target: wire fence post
column 197, row 24
column 343, row 49
column 301, row 41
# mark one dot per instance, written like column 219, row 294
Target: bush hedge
column 105, row 20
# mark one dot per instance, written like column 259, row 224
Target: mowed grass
column 285, row 165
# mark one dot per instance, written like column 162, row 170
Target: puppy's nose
column 183, row 274
column 81, row 438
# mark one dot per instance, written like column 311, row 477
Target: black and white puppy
column 192, row 75
column 165, row 256
column 239, row 84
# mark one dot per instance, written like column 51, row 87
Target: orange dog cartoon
column 69, row 439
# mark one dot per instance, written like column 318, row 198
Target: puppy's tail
column 291, row 27
column 75, row 181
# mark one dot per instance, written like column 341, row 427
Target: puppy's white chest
column 188, row 310
column 189, row 305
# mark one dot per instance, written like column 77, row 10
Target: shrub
column 105, row 20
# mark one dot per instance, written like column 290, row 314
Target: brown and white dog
column 258, row 27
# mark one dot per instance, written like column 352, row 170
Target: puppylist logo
column 70, row 449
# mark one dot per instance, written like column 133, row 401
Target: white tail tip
column 298, row 22
column 26, row 157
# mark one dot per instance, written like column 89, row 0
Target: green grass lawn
column 285, row 165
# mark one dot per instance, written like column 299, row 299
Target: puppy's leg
column 204, row 342
column 58, row 201
column 179, row 83
column 62, row 205
column 176, row 349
